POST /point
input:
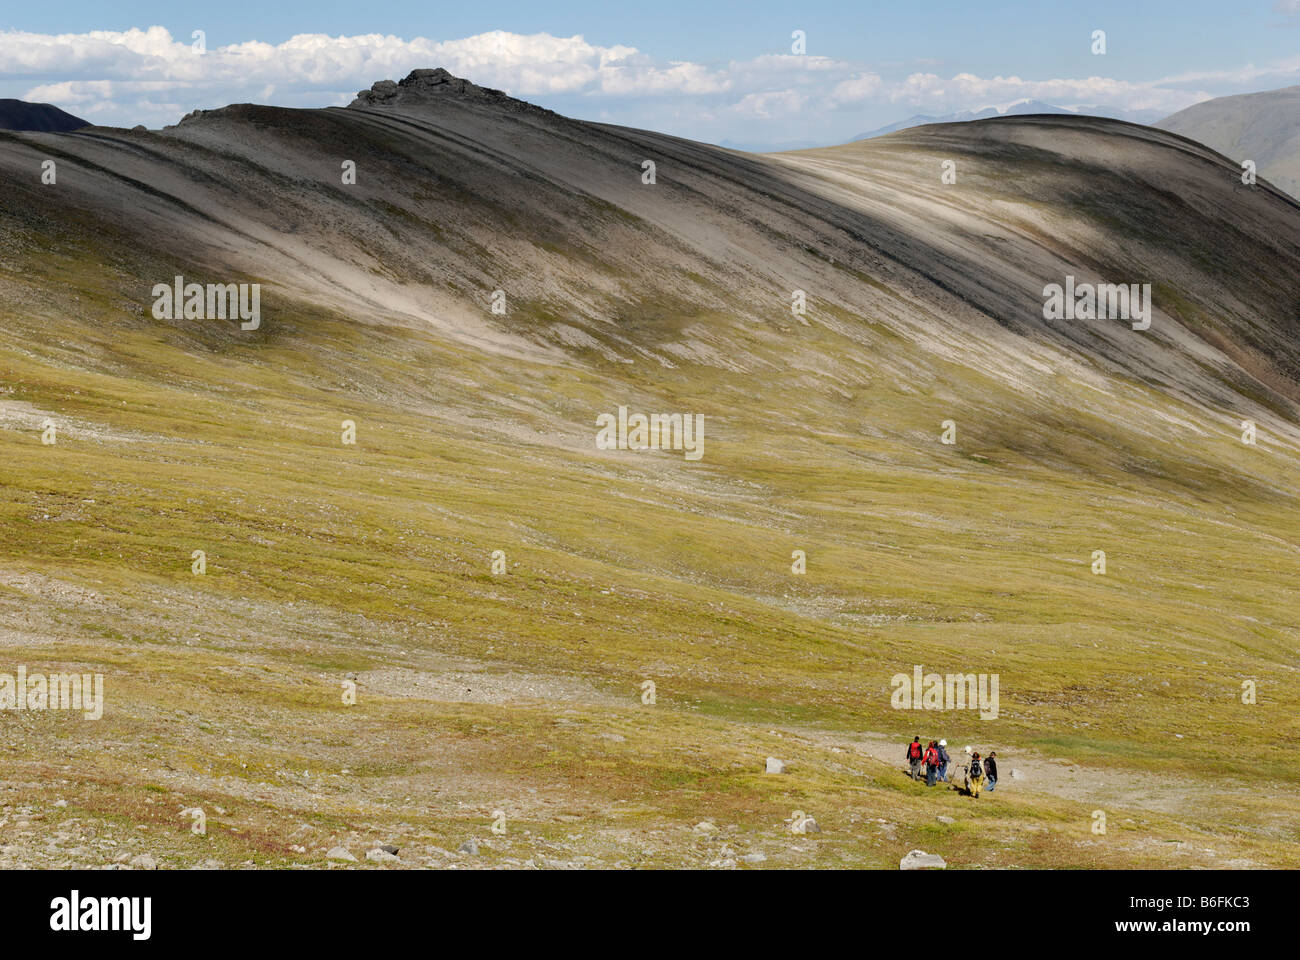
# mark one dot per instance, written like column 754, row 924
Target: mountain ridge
column 38, row 117
column 1262, row 127
column 605, row 644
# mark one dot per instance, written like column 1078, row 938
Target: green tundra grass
column 517, row 696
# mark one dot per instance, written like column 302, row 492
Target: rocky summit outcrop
column 421, row 85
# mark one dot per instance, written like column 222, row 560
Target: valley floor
column 578, row 775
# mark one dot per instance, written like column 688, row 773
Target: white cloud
column 773, row 103
column 136, row 75
column 859, row 87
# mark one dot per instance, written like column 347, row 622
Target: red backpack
column 914, row 751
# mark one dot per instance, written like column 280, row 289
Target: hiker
column 974, row 775
column 914, row 755
column 990, row 772
column 943, row 760
column 931, row 764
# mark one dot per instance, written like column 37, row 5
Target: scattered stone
column 754, row 857
column 775, row 766
column 389, row 848
column 60, row 803
column 705, row 827
column 810, row 826
column 727, row 864
column 920, row 860
column 1017, row 775
column 340, row 853
column 379, row 855
column 470, row 847
column 943, row 819
column 144, row 862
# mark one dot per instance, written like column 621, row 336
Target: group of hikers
column 981, row 773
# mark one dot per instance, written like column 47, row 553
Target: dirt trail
column 1106, row 787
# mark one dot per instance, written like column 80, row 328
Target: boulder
column 920, row 860
column 775, row 766
column 340, row 853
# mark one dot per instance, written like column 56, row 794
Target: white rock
column 1017, row 775
column 920, row 860
column 754, row 857
column 704, row 826
column 144, row 862
column 340, row 853
column 380, row 855
column 775, row 766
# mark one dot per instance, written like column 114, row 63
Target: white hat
column 967, row 749
column 943, row 743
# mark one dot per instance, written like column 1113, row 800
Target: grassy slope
column 324, row 559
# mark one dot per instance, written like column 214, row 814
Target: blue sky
column 713, row 71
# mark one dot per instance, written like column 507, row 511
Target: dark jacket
column 943, row 754
column 990, row 768
column 920, row 752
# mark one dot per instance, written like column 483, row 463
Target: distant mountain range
column 1263, row 127
column 42, row 117
column 1019, row 108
